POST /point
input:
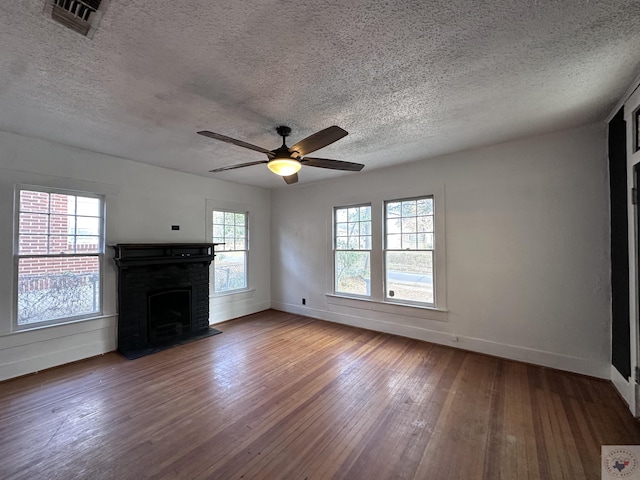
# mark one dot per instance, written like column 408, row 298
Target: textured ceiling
column 407, row 79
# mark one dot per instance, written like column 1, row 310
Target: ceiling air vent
column 78, row 15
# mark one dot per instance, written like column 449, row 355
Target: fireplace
column 163, row 294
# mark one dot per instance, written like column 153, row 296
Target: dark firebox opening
column 169, row 316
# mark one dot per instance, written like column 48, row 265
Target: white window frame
column 359, row 249
column 227, row 248
column 387, row 249
column 376, row 197
column 17, row 256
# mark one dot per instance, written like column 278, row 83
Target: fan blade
column 240, row 165
column 240, row 143
column 291, row 179
column 332, row 164
column 318, row 140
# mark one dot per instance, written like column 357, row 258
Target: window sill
column 427, row 313
column 245, row 293
column 44, row 326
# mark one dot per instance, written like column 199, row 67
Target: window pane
column 350, row 234
column 59, row 225
column 393, row 209
column 34, row 223
column 409, row 241
column 409, row 276
column 57, row 288
column 230, row 271
column 61, row 244
column 425, row 224
column 230, row 229
column 365, row 243
column 34, row 201
column 408, row 225
column 88, row 244
column 425, row 206
column 352, row 273
column 218, row 218
column 89, row 207
column 425, row 241
column 87, row 226
column 32, row 244
column 393, row 225
column 63, row 204
column 394, row 242
column 408, row 208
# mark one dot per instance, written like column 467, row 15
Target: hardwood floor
column 279, row 396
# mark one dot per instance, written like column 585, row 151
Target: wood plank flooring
column 279, row 396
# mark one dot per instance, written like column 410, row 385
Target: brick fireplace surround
column 163, row 294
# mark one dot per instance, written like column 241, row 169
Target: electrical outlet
column 304, row 301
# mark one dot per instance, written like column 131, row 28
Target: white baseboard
column 623, row 385
column 512, row 352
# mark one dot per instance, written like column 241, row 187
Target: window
column 352, row 250
column 59, row 247
column 385, row 252
column 409, row 251
column 230, row 264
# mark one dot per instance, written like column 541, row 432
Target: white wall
column 527, row 249
column 142, row 203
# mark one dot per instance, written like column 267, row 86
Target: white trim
column 623, row 385
column 544, row 358
column 30, row 327
column 417, row 311
column 633, row 158
column 624, row 99
column 233, row 292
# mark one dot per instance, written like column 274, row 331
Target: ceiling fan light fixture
column 285, row 161
column 284, row 166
